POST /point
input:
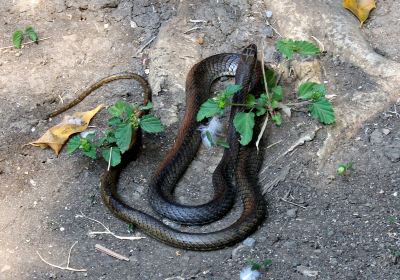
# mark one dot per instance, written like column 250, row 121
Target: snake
column 237, row 170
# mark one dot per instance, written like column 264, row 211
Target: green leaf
column 114, row 121
column 222, row 143
column 17, row 38
column 148, row 106
column 32, row 34
column 90, row 152
column 266, row 263
column 306, row 48
column 287, row 47
column 260, row 111
column 311, row 90
column 115, row 155
column 244, row 123
column 271, row 78
column 277, row 94
column 322, row 110
column 277, row 118
column 121, row 109
column 275, row 104
column 251, row 100
column 208, row 109
column 254, row 265
column 150, row 123
column 73, row 144
column 123, row 134
column 231, row 90
column 210, row 138
column 131, row 228
column 284, row 47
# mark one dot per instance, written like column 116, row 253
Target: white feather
column 214, row 128
column 248, row 274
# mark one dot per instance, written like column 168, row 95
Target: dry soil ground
column 339, row 227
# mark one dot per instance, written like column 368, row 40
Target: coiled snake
column 237, row 170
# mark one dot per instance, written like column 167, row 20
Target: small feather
column 211, row 132
column 248, row 274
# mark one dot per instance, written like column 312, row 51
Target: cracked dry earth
column 320, row 225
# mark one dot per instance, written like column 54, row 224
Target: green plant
column 270, row 102
column 344, row 168
column 288, row 47
column 124, row 120
column 18, row 36
column 259, row 266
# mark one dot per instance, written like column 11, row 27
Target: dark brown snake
column 237, row 170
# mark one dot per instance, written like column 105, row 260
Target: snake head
column 246, row 69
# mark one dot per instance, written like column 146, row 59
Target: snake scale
column 237, row 170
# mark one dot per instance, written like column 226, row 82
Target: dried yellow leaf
column 56, row 136
column 360, row 8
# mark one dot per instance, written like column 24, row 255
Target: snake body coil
column 238, row 163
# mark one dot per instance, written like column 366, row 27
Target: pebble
column 376, row 137
column 306, row 272
column 249, row 242
column 292, row 213
column 18, row 54
column 392, row 153
column 385, row 131
column 133, row 24
column 268, row 14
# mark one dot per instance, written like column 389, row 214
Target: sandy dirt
column 326, row 226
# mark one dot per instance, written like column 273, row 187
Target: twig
column 111, row 253
column 295, row 204
column 197, row 21
column 67, row 267
column 108, row 231
column 109, row 160
column 319, row 43
column 61, row 99
column 145, row 45
column 273, row 28
column 191, row 29
column 304, row 138
column 395, row 111
column 273, row 144
column 264, row 126
column 24, row 44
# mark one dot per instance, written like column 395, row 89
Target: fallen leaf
column 360, row 8
column 56, row 136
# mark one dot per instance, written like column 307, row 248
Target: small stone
column 106, row 25
column 62, row 229
column 133, row 24
column 249, row 242
column 392, row 153
column 306, row 272
column 147, row 71
column 268, row 13
column 376, row 137
column 385, row 131
column 5, row 268
column 200, row 40
column 289, row 244
column 18, row 54
column 32, row 182
column 292, row 213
